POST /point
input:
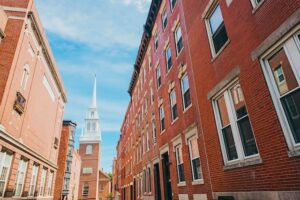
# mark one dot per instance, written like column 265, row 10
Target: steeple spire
column 94, row 100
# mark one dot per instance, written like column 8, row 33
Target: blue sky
column 95, row 36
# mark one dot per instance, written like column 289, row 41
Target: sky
column 98, row 37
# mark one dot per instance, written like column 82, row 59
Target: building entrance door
column 166, row 176
column 157, row 182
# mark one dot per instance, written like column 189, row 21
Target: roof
column 146, row 37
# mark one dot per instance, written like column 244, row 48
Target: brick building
column 104, row 186
column 214, row 110
column 32, row 98
column 75, row 176
column 89, row 151
column 68, row 165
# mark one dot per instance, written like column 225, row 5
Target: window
column 89, row 149
column 195, row 158
column 94, row 126
column 168, row 58
column 235, row 131
column 92, row 114
column 147, row 141
column 178, row 39
column 216, row 30
column 173, row 105
column 164, row 18
column 21, row 174
column 255, row 3
column 33, row 179
column 88, row 126
column 85, row 189
column 101, row 188
column 162, row 118
column 151, row 95
column 5, row 162
column 179, row 163
column 173, row 3
column 158, row 77
column 49, row 184
column 154, row 132
column 149, row 179
column 149, row 61
column 282, row 72
column 42, row 184
column 25, row 76
column 185, row 89
column 155, row 40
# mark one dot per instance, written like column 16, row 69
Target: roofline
column 69, row 122
column 146, row 37
column 47, row 52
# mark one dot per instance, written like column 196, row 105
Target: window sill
column 248, row 162
column 186, row 109
column 198, row 182
column 294, row 153
column 162, row 132
column 178, row 53
column 173, row 122
column 257, row 7
column 181, row 184
column 216, row 55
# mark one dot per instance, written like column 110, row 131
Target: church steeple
column 92, row 132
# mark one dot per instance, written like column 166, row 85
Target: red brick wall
column 246, row 30
column 89, row 161
column 61, row 161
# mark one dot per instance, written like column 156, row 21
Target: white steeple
column 92, row 131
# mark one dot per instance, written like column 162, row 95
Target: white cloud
column 103, row 25
column 141, row 5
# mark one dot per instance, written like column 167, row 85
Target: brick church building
column 89, row 151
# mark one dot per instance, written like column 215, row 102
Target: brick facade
column 235, row 67
column 32, row 99
column 104, row 186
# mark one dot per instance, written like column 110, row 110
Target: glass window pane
column 229, row 143
column 197, row 171
column 238, row 101
column 181, row 173
column 194, row 148
column 223, row 111
column 247, row 137
column 216, row 19
column 282, row 72
column 291, row 105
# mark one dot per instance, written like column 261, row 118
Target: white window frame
column 20, row 178
column 162, row 117
column 255, row 4
column 5, row 162
column 191, row 158
column 49, row 184
column 291, row 46
column 183, row 92
column 208, row 29
column 158, row 77
column 179, row 147
column 155, row 40
column 173, row 102
column 154, row 131
column 234, row 126
column 177, row 39
column 166, row 55
column 89, row 149
column 33, row 180
column 42, row 183
column 83, row 189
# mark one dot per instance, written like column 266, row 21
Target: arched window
column 94, row 126
column 25, row 76
column 85, row 189
column 89, row 149
column 88, row 126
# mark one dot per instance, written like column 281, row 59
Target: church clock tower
column 89, row 150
